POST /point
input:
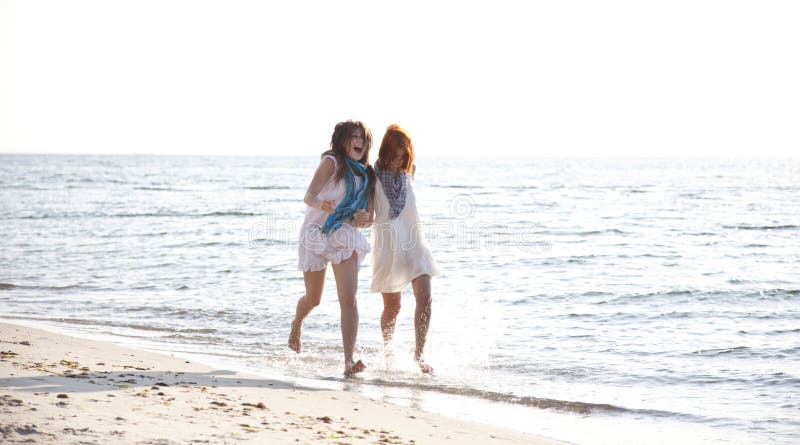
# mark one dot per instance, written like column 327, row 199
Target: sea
column 595, row 301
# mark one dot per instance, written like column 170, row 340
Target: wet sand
column 60, row 389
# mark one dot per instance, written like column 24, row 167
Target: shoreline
column 61, row 389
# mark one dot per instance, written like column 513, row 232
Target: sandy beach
column 60, row 389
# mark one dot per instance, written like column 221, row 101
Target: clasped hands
column 361, row 218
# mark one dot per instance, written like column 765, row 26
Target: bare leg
column 391, row 307
column 315, row 281
column 422, row 318
column 346, row 274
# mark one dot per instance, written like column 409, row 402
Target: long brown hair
column 394, row 137
column 341, row 133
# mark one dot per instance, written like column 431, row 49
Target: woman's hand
column 327, row 206
column 361, row 218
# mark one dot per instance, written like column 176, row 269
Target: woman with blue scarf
column 339, row 202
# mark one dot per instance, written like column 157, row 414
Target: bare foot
column 424, row 367
column 355, row 369
column 388, row 357
column 294, row 337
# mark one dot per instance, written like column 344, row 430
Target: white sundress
column 400, row 251
column 315, row 249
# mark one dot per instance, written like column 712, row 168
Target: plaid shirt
column 395, row 188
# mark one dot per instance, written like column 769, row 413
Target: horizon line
column 440, row 156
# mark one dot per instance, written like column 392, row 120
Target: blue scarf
column 353, row 199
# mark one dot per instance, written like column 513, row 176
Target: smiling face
column 399, row 159
column 355, row 145
column 397, row 152
column 350, row 139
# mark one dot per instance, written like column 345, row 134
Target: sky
column 466, row 78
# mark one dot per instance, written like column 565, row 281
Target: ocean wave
column 11, row 286
column 269, row 187
column 611, row 231
column 231, row 214
column 767, row 227
column 160, row 189
column 582, row 259
column 578, row 407
column 595, row 294
column 165, row 214
column 519, row 187
column 703, row 234
column 790, row 351
column 674, row 314
column 783, row 331
column 713, row 352
column 780, row 292
column 728, row 295
column 454, row 186
column 193, row 337
column 112, row 324
column 181, row 313
column 196, row 244
column 668, row 293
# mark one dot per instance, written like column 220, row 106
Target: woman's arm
column 371, row 209
column 321, row 177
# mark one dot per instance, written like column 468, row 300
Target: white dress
column 400, row 252
column 315, row 249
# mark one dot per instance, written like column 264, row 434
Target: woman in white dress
column 400, row 253
column 338, row 203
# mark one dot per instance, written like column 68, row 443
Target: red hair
column 395, row 137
